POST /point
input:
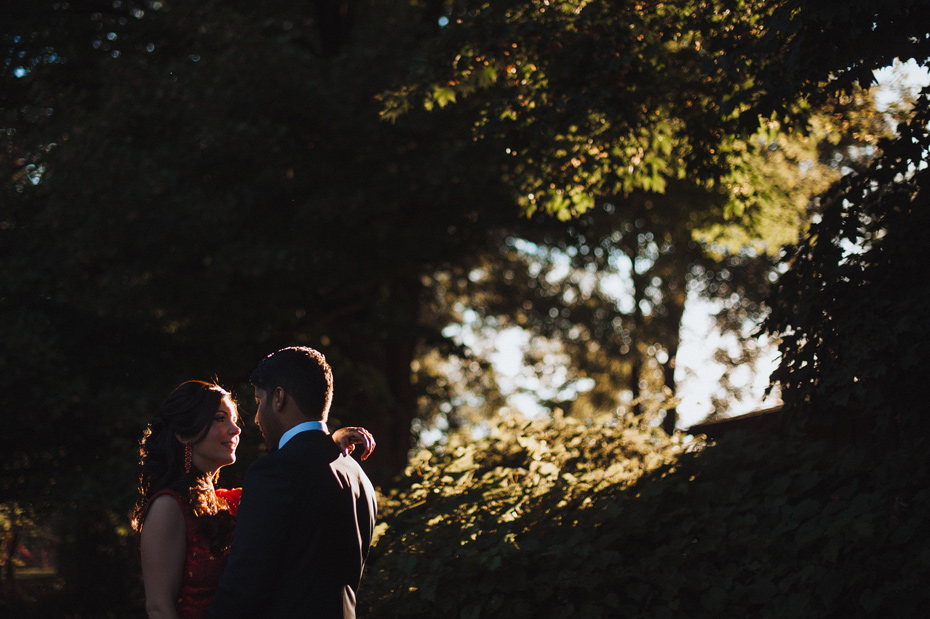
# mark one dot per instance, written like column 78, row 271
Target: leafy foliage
column 649, row 132
column 850, row 308
column 596, row 99
column 608, row 289
column 185, row 186
column 468, row 508
column 557, row 519
column 218, row 188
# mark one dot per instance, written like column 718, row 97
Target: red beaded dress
column 202, row 568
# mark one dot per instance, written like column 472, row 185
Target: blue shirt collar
column 302, row 427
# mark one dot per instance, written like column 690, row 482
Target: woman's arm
column 163, row 545
column 348, row 438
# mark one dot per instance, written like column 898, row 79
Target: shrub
column 558, row 518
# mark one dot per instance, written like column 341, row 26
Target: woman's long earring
column 187, row 457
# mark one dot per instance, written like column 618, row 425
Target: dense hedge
column 557, row 518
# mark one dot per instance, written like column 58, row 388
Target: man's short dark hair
column 303, row 373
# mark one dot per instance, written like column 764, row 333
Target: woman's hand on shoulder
column 348, row 438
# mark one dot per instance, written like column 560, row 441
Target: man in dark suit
column 307, row 514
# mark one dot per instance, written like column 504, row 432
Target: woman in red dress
column 183, row 522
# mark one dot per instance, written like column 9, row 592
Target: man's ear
column 278, row 399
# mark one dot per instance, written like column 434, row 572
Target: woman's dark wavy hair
column 188, row 413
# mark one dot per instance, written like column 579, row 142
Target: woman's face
column 218, row 447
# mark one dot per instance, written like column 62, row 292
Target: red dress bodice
column 202, row 567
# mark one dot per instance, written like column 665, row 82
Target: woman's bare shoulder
column 164, row 514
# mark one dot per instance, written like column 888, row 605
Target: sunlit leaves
column 759, row 526
column 568, row 80
column 441, row 97
column 472, row 505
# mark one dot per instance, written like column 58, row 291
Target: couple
column 307, row 511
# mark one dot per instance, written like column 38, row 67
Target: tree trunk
column 400, row 353
column 636, row 372
column 676, row 311
column 10, row 543
column 391, row 422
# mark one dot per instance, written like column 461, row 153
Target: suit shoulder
column 269, row 465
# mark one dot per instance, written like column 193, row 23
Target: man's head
column 292, row 385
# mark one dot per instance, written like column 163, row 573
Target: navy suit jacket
column 302, row 535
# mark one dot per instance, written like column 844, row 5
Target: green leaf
column 443, row 96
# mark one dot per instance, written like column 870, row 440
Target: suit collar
column 302, row 427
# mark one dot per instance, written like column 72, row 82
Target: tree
column 850, row 308
column 192, row 172
column 210, row 182
column 635, row 125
